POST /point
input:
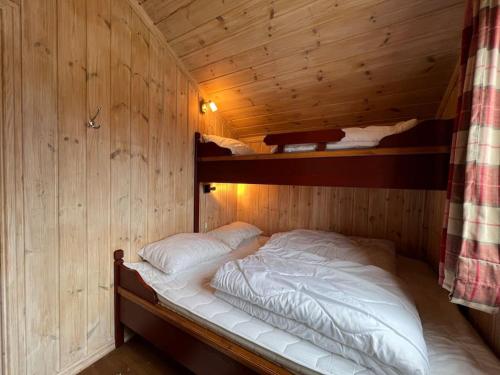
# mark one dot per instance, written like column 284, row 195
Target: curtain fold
column 470, row 249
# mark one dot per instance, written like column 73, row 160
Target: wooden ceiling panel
column 363, row 118
column 238, row 21
column 361, row 49
column 329, row 83
column 389, row 102
column 240, row 51
column 286, row 65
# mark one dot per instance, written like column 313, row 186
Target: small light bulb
column 213, row 106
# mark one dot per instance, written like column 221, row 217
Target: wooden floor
column 135, row 357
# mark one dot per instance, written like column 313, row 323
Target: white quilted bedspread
column 454, row 347
column 189, row 293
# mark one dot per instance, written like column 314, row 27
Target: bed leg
column 119, row 334
column 119, row 328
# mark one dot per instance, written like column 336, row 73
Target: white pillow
column 369, row 136
column 181, row 251
column 236, row 147
column 235, row 233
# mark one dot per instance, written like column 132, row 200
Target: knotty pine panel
column 407, row 217
column 72, row 164
column 98, row 180
column 219, row 207
column 40, row 186
column 278, row 65
column 77, row 194
column 12, row 292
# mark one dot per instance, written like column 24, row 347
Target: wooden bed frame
column 198, row 348
column 416, row 159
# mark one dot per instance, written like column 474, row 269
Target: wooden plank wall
column 410, row 218
column 11, row 201
column 219, row 207
column 403, row 216
column 86, row 192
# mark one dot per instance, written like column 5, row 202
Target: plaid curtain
column 469, row 266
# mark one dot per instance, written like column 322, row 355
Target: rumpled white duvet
column 358, row 311
column 369, row 136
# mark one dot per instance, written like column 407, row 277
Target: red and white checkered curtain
column 470, row 252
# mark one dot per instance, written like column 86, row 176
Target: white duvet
column 369, row 136
column 316, row 245
column 358, row 311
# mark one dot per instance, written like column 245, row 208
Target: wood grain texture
column 121, row 44
column 277, row 65
column 139, row 135
column 397, row 215
column 98, row 174
column 71, row 195
column 72, row 187
column 12, row 307
column 40, row 169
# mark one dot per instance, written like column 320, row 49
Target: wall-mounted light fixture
column 207, row 188
column 205, row 105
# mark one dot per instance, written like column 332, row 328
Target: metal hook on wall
column 92, row 122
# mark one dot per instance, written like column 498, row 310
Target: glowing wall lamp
column 205, row 105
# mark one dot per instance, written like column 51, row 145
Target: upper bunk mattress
column 453, row 345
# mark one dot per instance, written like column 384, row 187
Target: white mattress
column 453, row 345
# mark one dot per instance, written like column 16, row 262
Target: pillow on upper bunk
column 369, row 136
column 235, row 233
column 236, row 147
column 181, row 251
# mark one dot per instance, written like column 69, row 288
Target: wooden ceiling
column 285, row 65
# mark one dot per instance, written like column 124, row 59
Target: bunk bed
column 414, row 159
column 411, row 158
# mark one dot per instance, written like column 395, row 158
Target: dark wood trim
column 433, row 132
column 417, row 171
column 198, row 348
column 119, row 329
column 416, row 159
column 196, row 186
column 132, row 281
column 427, row 133
column 316, row 136
column 211, row 149
column 393, row 151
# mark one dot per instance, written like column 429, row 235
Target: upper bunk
column 415, row 159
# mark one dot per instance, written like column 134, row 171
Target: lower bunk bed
column 181, row 315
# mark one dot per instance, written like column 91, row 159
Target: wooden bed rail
column 434, row 132
column 195, row 346
column 130, row 280
column 208, row 148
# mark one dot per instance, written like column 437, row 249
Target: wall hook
column 92, row 122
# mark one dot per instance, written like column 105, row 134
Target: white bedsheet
column 453, row 346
